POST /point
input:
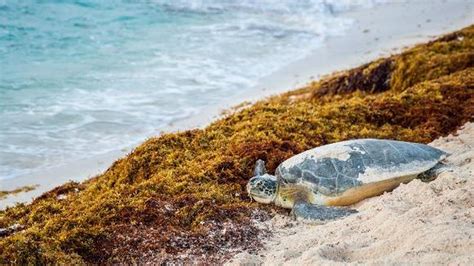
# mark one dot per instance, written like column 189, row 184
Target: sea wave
column 79, row 78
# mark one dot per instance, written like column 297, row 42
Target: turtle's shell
column 334, row 168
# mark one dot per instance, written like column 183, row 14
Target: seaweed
column 372, row 77
column 5, row 193
column 180, row 197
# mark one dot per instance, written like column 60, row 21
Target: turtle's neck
column 288, row 195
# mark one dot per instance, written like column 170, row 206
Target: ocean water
column 81, row 78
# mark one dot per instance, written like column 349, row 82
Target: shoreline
column 385, row 35
column 181, row 197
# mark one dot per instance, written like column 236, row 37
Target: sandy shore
column 377, row 32
column 417, row 223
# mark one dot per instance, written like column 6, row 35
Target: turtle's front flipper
column 310, row 211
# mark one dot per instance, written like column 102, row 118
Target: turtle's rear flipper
column 434, row 172
column 309, row 211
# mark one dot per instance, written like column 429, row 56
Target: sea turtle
column 343, row 173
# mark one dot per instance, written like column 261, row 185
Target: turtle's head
column 262, row 187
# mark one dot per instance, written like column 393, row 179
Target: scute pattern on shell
column 334, row 168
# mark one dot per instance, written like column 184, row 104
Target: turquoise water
column 79, row 78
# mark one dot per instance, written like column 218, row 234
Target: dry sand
column 417, row 223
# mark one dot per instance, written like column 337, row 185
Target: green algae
column 184, row 193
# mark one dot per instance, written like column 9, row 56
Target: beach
column 174, row 188
column 380, row 31
column 417, row 223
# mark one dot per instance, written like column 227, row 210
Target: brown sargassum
column 181, row 197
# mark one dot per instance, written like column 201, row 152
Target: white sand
column 377, row 32
column 417, row 223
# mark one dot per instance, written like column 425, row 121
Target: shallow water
column 79, row 78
